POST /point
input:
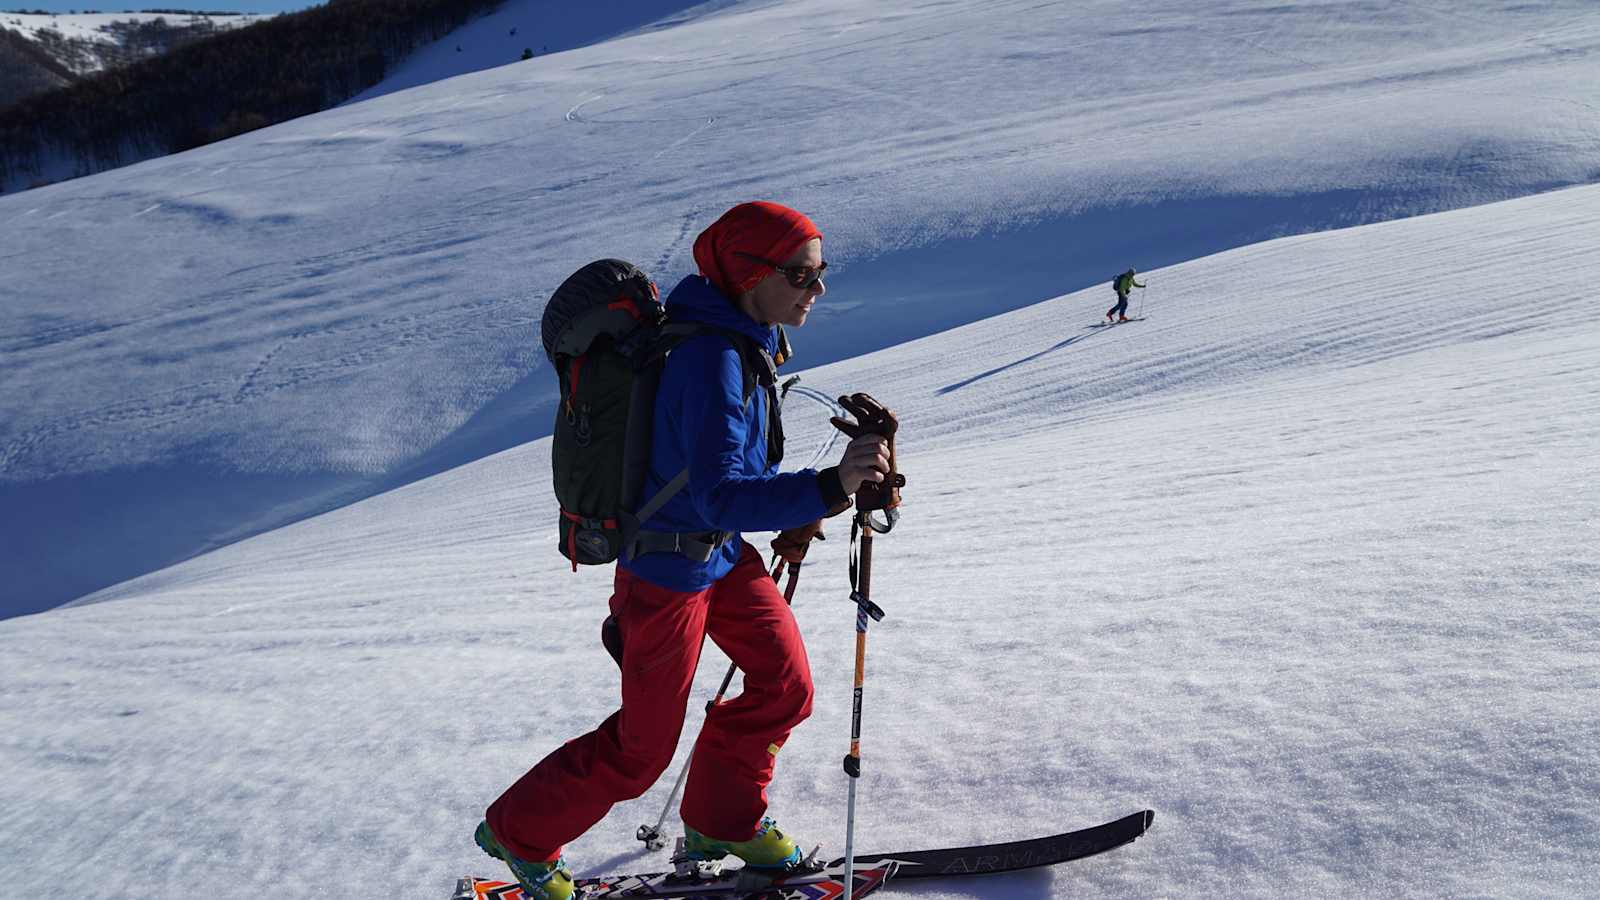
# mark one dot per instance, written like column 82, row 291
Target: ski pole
column 651, row 834
column 872, row 418
column 866, row 610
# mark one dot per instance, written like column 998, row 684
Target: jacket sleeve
column 1136, row 283
column 708, row 382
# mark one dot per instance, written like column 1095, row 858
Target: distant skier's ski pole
column 651, row 834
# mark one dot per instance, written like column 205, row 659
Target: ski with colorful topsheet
column 872, row 869
column 825, row 884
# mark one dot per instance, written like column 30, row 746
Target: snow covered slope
column 207, row 345
column 541, row 27
column 1309, row 569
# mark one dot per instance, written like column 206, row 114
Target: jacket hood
column 695, row 299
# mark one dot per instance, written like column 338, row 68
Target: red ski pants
column 662, row 633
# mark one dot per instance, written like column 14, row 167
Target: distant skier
column 1122, row 284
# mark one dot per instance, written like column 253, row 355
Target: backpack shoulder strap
column 667, row 492
column 758, row 371
column 756, row 365
column 641, row 421
column 761, row 375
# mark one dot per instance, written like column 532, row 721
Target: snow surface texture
column 1305, row 561
column 209, row 345
column 1308, row 569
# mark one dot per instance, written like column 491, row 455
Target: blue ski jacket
column 702, row 422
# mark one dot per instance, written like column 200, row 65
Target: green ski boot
column 539, row 880
column 770, row 849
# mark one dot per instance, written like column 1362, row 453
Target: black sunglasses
column 797, row 276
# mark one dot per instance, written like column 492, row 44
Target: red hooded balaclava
column 767, row 230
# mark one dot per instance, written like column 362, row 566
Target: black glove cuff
column 833, row 495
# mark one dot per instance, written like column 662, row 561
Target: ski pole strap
column 855, row 551
column 865, row 609
column 794, row 581
column 861, row 574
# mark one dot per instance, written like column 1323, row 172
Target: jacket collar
column 696, row 300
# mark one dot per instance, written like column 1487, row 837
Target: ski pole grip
column 873, row 417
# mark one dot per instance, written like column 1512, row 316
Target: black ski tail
column 1009, row 857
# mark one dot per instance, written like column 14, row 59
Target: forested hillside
column 26, row 68
column 211, row 89
column 44, row 50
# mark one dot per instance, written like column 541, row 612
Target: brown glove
column 873, row 417
column 792, row 543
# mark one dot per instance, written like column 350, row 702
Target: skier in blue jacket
column 692, row 575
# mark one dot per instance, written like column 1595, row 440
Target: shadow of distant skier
column 1011, row 365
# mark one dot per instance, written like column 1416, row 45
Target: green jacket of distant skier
column 1125, row 282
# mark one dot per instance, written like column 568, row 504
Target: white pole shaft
column 850, row 844
column 676, row 787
